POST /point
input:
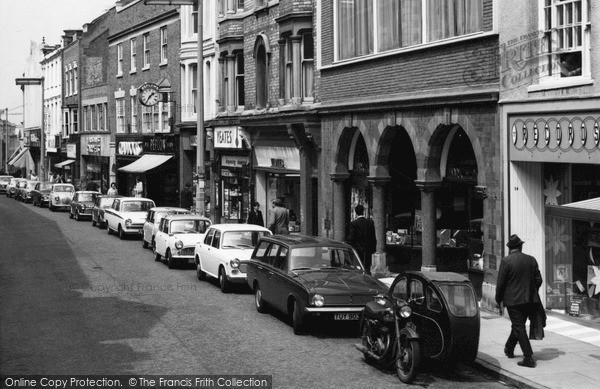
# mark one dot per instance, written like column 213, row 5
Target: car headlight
column 404, row 309
column 57, row 198
column 83, row 206
column 128, row 223
column 178, row 245
column 234, row 263
column 318, row 300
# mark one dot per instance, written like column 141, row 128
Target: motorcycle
column 424, row 315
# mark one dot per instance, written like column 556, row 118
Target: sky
column 23, row 21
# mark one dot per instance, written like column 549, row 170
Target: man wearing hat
column 519, row 279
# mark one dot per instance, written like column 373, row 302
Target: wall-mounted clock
column 148, row 94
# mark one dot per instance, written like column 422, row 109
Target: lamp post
column 37, row 81
column 199, row 99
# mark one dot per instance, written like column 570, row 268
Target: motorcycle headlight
column 178, row 245
column 318, row 300
column 234, row 263
column 128, row 223
column 405, row 311
column 380, row 299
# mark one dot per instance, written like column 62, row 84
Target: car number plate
column 346, row 316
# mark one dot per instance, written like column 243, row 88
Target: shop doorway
column 360, row 191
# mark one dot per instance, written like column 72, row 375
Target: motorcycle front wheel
column 409, row 357
column 379, row 344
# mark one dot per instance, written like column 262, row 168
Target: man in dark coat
column 187, row 198
column 519, row 279
column 362, row 237
column 255, row 216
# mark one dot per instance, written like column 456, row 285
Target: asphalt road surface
column 75, row 300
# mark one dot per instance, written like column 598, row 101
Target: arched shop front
column 424, row 187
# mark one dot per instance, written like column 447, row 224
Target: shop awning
column 64, row 163
column 277, row 159
column 586, row 210
column 145, row 163
column 20, row 158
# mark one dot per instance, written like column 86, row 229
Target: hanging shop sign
column 234, row 161
column 94, row 145
column 231, row 137
column 133, row 148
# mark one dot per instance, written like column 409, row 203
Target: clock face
column 149, row 95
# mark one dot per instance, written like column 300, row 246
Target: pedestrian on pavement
column 113, row 189
column 519, row 279
column 92, row 186
column 138, row 189
column 255, row 216
column 32, row 175
column 280, row 218
column 362, row 237
column 187, row 198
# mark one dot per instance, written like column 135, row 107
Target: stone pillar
column 231, row 103
column 428, row 214
column 340, row 213
column 297, row 66
column 379, row 259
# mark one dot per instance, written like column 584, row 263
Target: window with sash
column 367, row 27
column 119, row 60
column 120, row 108
column 239, row 79
column 133, row 54
column 163, row 45
column 567, row 49
column 145, row 42
column 134, row 115
column 75, row 78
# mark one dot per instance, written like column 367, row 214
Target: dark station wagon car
column 308, row 277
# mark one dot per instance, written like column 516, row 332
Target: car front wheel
column 223, row 281
column 260, row 304
column 93, row 221
column 77, row 215
column 156, row 254
column 298, row 319
column 170, row 260
column 121, row 233
column 144, row 243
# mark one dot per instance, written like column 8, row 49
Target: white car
column 224, row 251
column 127, row 215
column 153, row 218
column 176, row 237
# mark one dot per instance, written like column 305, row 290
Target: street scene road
column 75, row 300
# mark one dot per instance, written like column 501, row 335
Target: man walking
column 519, row 279
column 255, row 216
column 362, row 237
column 187, row 198
column 280, row 218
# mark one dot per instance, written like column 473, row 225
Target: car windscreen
column 62, row 188
column 137, row 206
column 4, row 179
column 460, row 298
column 322, row 257
column 241, row 239
column 45, row 186
column 188, row 226
column 106, row 202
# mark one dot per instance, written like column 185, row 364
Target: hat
column 277, row 202
column 254, row 204
column 514, row 241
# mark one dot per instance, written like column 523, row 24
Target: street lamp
column 199, row 99
column 37, row 81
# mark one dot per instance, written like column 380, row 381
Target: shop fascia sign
column 94, row 145
column 234, row 161
column 131, row 148
column 228, row 137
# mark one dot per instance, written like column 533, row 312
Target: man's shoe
column 509, row 353
column 527, row 362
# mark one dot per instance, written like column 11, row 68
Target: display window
column 235, row 184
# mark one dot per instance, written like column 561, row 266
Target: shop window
column 235, row 186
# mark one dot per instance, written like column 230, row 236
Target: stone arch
column 261, row 40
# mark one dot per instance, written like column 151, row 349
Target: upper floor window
column 146, row 51
column 195, row 18
column 301, row 68
column 262, row 94
column 156, row 118
column 566, row 39
column 239, row 79
column 308, row 55
column 372, row 26
column 134, row 114
column 230, row 6
column 67, row 81
column 163, row 45
column 119, row 59
column 120, row 109
column 75, row 78
column 133, row 54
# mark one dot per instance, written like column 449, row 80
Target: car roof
column 239, row 227
column 186, row 217
column 166, row 209
column 299, row 240
column 87, row 191
column 112, row 196
column 136, row 199
column 439, row 276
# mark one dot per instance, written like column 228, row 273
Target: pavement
column 567, row 357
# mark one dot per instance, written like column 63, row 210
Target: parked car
column 61, row 196
column 4, row 180
column 225, row 251
column 11, row 187
column 40, row 194
column 21, row 182
column 176, row 237
column 82, row 203
column 127, row 215
column 25, row 193
column 308, row 277
column 100, row 205
column 153, row 218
